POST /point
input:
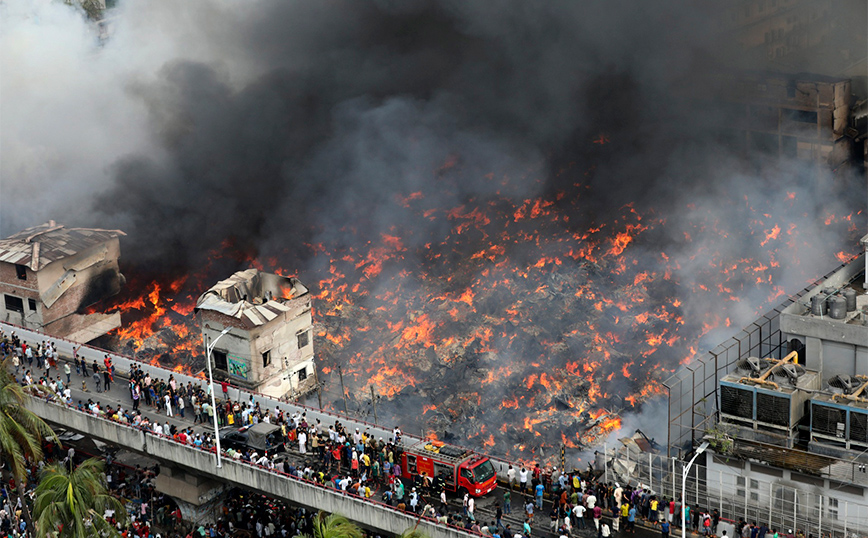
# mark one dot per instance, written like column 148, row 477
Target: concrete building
column 269, row 348
column 49, row 274
column 804, row 116
column 794, row 35
column 784, row 406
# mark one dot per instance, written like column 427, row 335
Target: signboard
column 237, row 366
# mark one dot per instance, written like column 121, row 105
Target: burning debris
column 518, row 331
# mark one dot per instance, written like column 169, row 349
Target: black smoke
column 353, row 102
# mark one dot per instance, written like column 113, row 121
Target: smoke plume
column 278, row 126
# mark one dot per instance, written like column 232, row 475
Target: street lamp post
column 208, row 350
column 684, row 473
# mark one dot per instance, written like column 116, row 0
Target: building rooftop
column 41, row 245
column 253, row 297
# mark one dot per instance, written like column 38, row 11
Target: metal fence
column 692, row 391
column 757, row 498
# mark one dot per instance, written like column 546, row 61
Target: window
column 446, row 472
column 740, row 492
column 833, row 507
column 411, row 464
column 801, row 116
column 302, row 374
column 220, row 360
column 31, row 303
column 14, row 304
column 739, row 481
column 303, row 339
column 754, row 496
column 21, row 271
column 754, row 484
column 266, row 359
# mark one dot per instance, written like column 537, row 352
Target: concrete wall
column 278, row 337
column 10, row 284
column 61, row 317
column 368, row 513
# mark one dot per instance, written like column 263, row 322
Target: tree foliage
column 72, row 504
column 334, row 526
column 21, row 430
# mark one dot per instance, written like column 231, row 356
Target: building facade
column 50, row 274
column 784, row 406
column 269, row 345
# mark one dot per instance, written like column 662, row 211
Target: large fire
column 513, row 326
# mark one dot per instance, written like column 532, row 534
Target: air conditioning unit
column 766, row 395
column 839, row 415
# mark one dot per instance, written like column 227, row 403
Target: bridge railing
column 243, row 473
column 123, row 363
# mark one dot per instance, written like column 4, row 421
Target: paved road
column 83, row 389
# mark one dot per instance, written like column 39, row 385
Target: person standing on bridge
column 302, row 442
column 66, row 370
column 522, row 480
column 136, row 393
column 107, row 379
column 168, row 401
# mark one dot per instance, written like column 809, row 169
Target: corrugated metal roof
column 252, row 297
column 40, row 245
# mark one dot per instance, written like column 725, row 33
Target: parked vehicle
column 264, row 438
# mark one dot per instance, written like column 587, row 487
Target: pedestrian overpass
column 192, row 470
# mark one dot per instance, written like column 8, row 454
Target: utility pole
column 374, row 403
column 343, row 390
column 318, row 388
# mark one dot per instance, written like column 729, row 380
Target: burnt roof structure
column 41, row 245
column 252, row 297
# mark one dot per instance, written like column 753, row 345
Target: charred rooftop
column 49, row 274
column 268, row 346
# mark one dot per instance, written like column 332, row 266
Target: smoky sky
column 275, row 124
column 305, row 113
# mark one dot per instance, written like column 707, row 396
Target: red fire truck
column 459, row 469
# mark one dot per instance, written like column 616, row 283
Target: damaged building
column 800, row 116
column 269, row 347
column 50, row 274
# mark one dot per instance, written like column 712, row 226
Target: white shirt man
column 510, row 476
column 302, row 442
column 579, row 511
column 591, row 501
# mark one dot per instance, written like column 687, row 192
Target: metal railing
column 782, row 504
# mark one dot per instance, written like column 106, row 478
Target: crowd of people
column 359, row 463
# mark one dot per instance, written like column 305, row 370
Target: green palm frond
column 66, row 500
column 21, row 431
column 413, row 533
column 334, row 526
